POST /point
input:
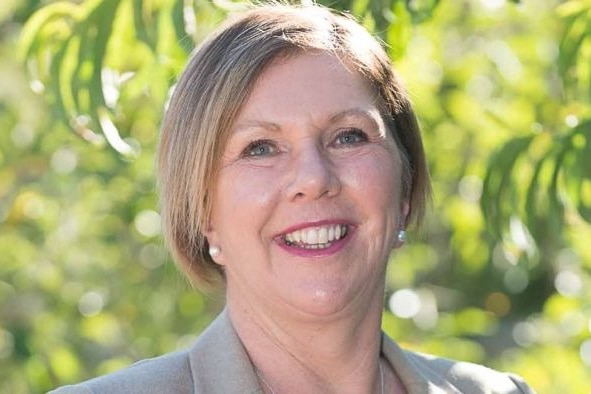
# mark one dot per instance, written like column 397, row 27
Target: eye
column 351, row 137
column 260, row 148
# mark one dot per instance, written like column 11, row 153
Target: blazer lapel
column 416, row 378
column 219, row 363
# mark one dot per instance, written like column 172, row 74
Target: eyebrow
column 256, row 124
column 333, row 118
column 357, row 113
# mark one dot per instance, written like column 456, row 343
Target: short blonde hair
column 218, row 80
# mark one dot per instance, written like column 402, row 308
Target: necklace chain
column 268, row 386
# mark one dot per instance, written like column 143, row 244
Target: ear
column 402, row 222
column 213, row 240
column 404, row 211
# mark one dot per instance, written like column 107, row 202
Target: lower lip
column 312, row 253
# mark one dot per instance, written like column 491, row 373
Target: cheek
column 377, row 180
column 378, row 190
column 243, row 196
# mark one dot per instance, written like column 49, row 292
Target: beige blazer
column 218, row 363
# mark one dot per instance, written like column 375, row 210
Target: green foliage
column 74, row 54
column 501, row 274
column 542, row 178
column 506, row 134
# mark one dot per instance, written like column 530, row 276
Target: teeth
column 316, row 237
column 322, row 235
column 311, row 236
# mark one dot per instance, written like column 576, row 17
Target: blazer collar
column 415, row 376
column 219, row 364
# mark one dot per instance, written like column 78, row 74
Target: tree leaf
column 497, row 186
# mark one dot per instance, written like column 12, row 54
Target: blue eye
column 351, row 137
column 260, row 148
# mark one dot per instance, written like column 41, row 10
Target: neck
column 296, row 353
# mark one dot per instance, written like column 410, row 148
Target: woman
column 290, row 166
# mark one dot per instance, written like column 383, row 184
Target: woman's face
column 307, row 203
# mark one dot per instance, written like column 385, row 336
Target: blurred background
column 500, row 273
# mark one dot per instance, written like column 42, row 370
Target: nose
column 313, row 174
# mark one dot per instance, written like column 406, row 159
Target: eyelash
column 250, row 150
column 357, row 133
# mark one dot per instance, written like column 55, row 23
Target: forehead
column 309, row 82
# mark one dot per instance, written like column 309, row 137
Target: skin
column 309, row 147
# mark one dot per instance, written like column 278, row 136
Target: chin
column 325, row 302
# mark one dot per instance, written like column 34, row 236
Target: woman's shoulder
column 469, row 377
column 167, row 373
column 427, row 373
column 204, row 367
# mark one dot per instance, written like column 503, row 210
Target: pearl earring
column 214, row 251
column 402, row 236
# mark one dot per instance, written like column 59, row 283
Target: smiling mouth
column 320, row 237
